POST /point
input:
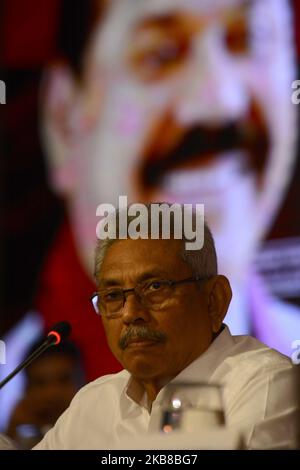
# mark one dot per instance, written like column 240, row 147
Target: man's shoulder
column 249, row 351
column 252, row 368
column 6, row 443
column 112, row 382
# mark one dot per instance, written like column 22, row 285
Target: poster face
column 190, row 102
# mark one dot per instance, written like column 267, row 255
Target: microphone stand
column 45, row 345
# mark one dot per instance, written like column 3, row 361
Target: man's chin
column 141, row 361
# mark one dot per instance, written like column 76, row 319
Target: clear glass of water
column 192, row 407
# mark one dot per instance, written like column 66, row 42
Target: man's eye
column 155, row 285
column 114, row 295
column 154, row 61
column 166, row 54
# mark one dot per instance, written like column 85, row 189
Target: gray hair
column 203, row 262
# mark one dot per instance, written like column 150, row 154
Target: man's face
column 189, row 101
column 182, row 326
column 51, row 386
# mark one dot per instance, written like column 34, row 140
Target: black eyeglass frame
column 169, row 282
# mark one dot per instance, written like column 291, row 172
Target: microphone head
column 59, row 332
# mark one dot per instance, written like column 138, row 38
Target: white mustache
column 140, row 332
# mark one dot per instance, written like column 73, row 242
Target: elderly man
column 162, row 308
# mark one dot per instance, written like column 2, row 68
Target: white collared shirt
column 259, row 395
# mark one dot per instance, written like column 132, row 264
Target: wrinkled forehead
column 124, row 15
column 139, row 9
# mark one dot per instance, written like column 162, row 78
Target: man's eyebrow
column 161, row 21
column 109, row 282
column 155, row 273
column 174, row 19
column 158, row 21
column 151, row 274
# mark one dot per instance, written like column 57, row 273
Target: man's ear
column 219, row 297
column 63, row 111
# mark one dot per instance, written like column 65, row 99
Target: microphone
column 58, row 333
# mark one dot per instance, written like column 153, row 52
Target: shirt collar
column 202, row 368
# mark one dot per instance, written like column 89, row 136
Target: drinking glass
column 191, row 407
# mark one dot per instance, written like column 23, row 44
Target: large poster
column 184, row 101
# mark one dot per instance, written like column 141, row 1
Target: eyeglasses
column 151, row 294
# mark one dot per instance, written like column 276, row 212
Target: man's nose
column 133, row 310
column 213, row 87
